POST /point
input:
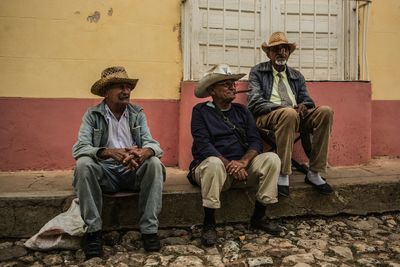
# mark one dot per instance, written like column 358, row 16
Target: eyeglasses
column 228, row 84
column 278, row 48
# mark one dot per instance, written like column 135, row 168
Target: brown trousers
column 285, row 122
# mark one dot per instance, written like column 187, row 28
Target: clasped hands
column 237, row 168
column 130, row 157
column 302, row 110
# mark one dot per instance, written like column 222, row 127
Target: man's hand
column 120, row 155
column 302, row 110
column 237, row 168
column 139, row 154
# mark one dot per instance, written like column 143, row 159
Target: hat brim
column 98, row 88
column 201, row 89
column 265, row 47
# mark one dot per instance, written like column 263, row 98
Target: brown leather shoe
column 266, row 225
column 208, row 235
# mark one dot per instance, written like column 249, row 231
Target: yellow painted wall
column 383, row 49
column 50, row 48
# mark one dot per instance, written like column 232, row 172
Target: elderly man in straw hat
column 280, row 102
column 227, row 152
column 115, row 151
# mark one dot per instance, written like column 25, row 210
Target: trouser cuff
column 211, row 204
column 267, row 200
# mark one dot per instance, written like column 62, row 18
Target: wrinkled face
column 279, row 55
column 224, row 91
column 118, row 93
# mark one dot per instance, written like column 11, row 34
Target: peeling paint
column 95, row 17
column 110, row 12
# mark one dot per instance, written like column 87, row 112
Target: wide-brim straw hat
column 218, row 73
column 277, row 38
column 112, row 75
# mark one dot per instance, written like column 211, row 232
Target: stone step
column 29, row 199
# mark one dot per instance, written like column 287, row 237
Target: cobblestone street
column 320, row 241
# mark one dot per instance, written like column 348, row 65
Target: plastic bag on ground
column 61, row 232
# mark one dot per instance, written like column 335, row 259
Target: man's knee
column 84, row 164
column 155, row 168
column 153, row 162
column 289, row 116
column 214, row 163
column 270, row 159
column 211, row 170
column 86, row 169
column 326, row 110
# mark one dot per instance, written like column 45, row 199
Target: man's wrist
column 150, row 152
column 102, row 153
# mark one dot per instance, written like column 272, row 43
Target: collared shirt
column 119, row 134
column 275, row 98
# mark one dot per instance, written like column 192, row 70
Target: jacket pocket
column 136, row 135
column 96, row 137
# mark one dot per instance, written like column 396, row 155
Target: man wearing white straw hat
column 115, row 151
column 227, row 152
column 280, row 102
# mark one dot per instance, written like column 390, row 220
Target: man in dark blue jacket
column 280, row 102
column 227, row 152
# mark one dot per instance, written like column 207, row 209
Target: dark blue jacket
column 261, row 81
column 213, row 137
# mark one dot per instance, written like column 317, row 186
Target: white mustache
column 280, row 61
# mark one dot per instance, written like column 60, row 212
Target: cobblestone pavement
column 322, row 241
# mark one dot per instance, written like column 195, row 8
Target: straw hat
column 109, row 76
column 277, row 38
column 220, row 72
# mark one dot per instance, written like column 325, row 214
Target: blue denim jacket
column 260, row 83
column 93, row 133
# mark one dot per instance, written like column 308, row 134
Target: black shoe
column 208, row 235
column 151, row 242
column 92, row 244
column 283, row 190
column 266, row 225
column 325, row 188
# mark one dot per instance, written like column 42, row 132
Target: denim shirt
column 93, row 133
column 261, row 81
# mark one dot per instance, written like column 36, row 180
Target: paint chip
column 95, row 17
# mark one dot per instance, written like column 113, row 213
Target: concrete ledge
column 358, row 190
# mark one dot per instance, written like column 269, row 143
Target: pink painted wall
column 386, row 128
column 39, row 133
column 351, row 137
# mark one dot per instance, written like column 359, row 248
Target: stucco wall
column 57, row 48
column 383, row 53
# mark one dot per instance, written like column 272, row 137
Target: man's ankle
column 283, row 179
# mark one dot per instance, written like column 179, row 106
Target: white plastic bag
column 61, row 232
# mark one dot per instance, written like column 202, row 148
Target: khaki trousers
column 285, row 122
column 263, row 173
